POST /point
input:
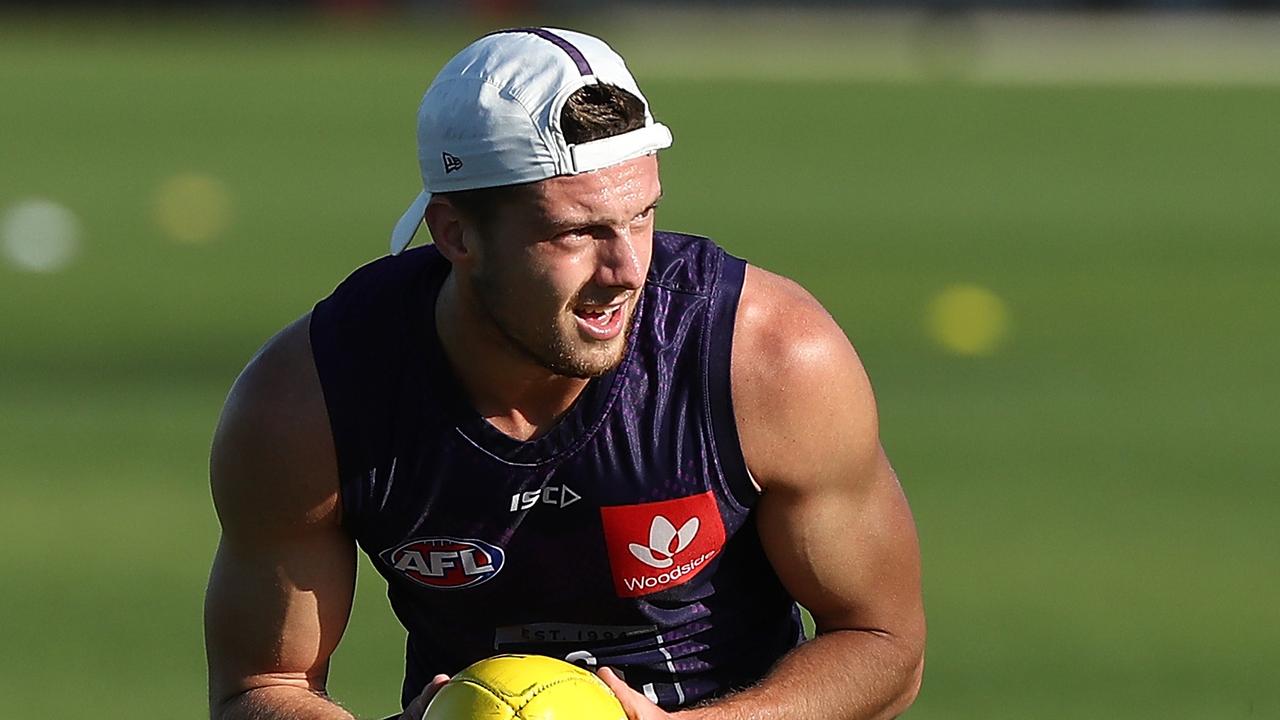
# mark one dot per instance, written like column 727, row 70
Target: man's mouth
column 600, row 322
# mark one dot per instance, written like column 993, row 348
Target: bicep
column 275, row 610
column 283, row 579
column 832, row 516
column 846, row 549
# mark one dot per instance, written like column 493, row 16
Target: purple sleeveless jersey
column 623, row 537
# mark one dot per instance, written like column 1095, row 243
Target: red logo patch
column 445, row 562
column 657, row 545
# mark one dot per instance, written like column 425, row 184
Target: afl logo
column 446, row 563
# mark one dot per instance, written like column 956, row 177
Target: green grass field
column 1097, row 499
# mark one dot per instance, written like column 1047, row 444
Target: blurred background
column 1051, row 229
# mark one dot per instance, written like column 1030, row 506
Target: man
column 557, row 431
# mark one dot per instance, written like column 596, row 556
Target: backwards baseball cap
column 492, row 116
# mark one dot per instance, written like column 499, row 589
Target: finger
column 419, row 704
column 611, row 679
column 636, row 705
column 629, row 697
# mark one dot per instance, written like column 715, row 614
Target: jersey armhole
column 718, row 357
column 320, row 330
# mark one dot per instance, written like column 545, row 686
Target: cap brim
column 408, row 224
column 596, row 154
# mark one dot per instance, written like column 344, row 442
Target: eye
column 648, row 213
column 573, row 237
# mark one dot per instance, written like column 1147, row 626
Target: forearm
column 840, row 675
column 280, row 703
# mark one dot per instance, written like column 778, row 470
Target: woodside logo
column 664, row 542
column 655, row 546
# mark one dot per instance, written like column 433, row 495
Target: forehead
column 627, row 187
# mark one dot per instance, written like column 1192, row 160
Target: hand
column 419, row 704
column 638, row 706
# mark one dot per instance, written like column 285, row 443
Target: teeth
column 600, row 318
column 606, row 312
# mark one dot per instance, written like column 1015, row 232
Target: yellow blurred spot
column 192, row 208
column 968, row 320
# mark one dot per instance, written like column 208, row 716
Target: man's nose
column 619, row 261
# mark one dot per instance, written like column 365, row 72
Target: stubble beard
column 549, row 344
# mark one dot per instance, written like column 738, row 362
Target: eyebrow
column 581, row 222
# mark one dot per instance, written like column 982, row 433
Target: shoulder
column 273, row 463
column 800, row 394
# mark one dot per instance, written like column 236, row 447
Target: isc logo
column 561, row 496
column 445, row 562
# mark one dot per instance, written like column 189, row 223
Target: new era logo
column 658, row 545
column 451, row 163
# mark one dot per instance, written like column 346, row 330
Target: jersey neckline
column 573, row 429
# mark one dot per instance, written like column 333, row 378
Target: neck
column 510, row 390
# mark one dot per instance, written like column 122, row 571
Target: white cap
column 492, row 116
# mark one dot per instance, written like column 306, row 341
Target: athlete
column 555, row 430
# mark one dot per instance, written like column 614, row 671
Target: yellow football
column 524, row 687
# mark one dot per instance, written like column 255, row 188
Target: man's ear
column 449, row 230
